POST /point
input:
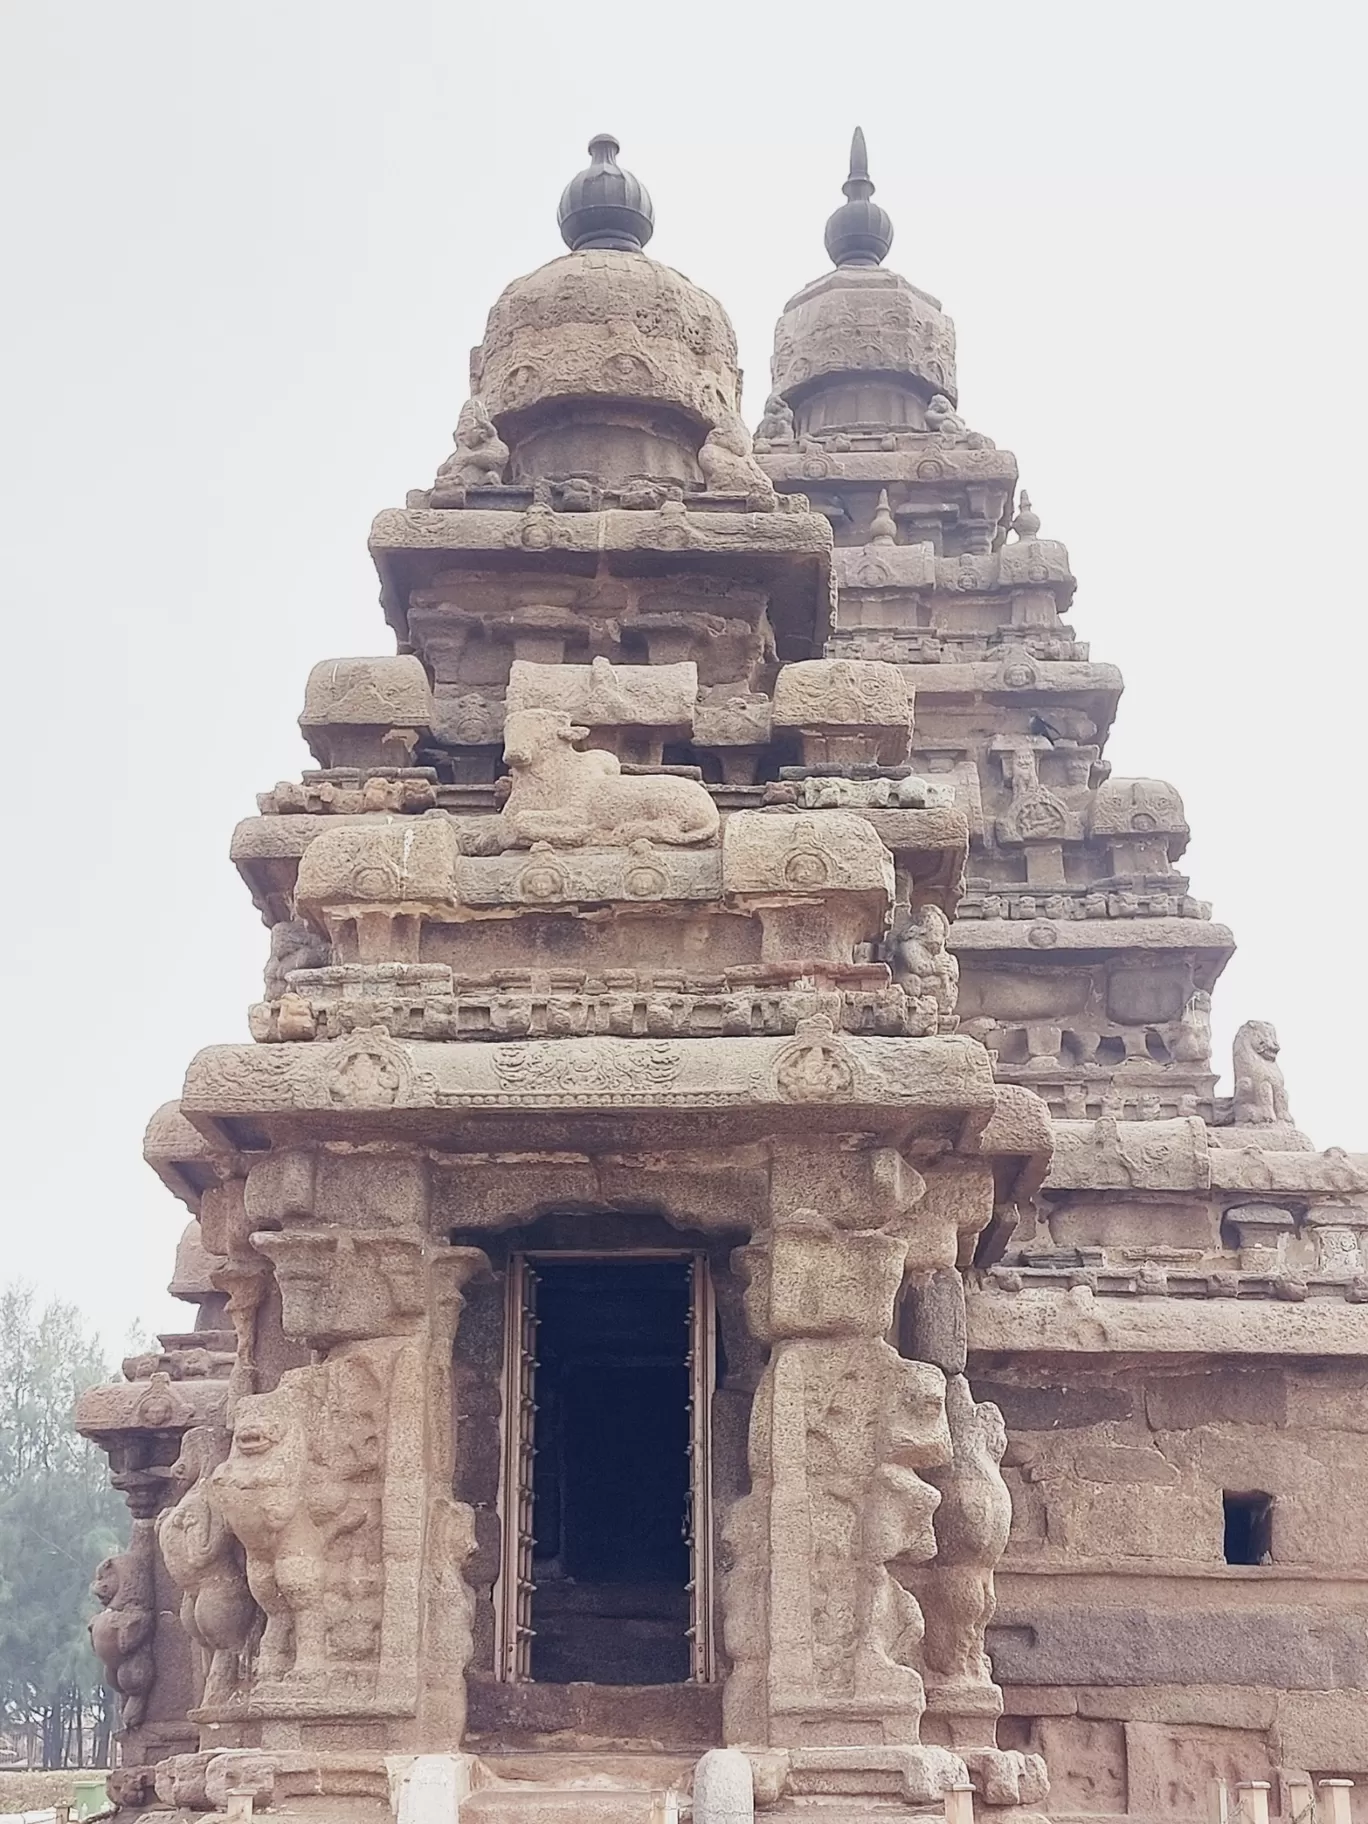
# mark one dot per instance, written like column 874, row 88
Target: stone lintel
column 1040, row 937
column 1091, row 686
column 1035, row 1321
column 790, row 554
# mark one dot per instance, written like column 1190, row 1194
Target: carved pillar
column 822, row 1637
column 338, row 1481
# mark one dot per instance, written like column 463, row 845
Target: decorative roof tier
column 860, row 348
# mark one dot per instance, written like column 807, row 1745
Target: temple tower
column 581, row 1420
column 1177, row 1336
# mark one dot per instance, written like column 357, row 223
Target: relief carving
column 301, row 1489
column 923, row 965
column 478, row 460
column 293, row 946
column 729, row 467
column 956, row 1589
column 122, row 1633
column 1260, row 1093
column 839, row 1432
column 205, row 1560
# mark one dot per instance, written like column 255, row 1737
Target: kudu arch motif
column 726, row 1040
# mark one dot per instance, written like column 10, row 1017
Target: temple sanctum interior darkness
column 611, row 1485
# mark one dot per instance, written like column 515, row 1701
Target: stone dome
column 606, row 362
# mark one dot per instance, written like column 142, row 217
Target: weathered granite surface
column 727, row 870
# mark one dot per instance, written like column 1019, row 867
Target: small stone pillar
column 959, row 1803
column 1261, row 1231
column 1253, row 1801
column 1334, row 1801
column 723, row 1788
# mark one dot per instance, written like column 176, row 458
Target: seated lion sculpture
column 1260, row 1094
column 571, row 799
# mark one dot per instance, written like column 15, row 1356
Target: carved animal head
column 1259, row 1037
column 531, row 735
column 933, row 927
column 257, row 1430
column 104, row 1585
column 202, row 1447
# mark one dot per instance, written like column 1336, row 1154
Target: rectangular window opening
column 606, row 1570
column 1248, row 1528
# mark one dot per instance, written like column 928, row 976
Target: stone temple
column 721, row 1279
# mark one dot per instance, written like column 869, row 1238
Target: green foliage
column 58, row 1518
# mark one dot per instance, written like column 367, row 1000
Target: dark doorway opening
column 611, row 1474
column 1248, row 1528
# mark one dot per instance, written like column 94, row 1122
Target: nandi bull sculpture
column 570, row 799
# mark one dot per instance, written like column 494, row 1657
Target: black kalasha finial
column 859, row 233
column 605, row 206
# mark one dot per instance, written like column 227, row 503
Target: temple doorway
column 606, row 1561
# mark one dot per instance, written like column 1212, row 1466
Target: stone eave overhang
column 932, row 845
column 932, row 465
column 1040, row 940
column 105, row 1412
column 181, row 1156
column 1093, row 687
column 593, row 1093
column 787, row 553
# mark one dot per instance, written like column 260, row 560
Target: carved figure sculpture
column 873, row 1422
column 122, row 1632
column 921, row 962
column 568, row 798
column 480, row 456
column 942, row 416
column 205, row 1560
column 293, row 946
column 775, row 430
column 261, row 1490
column 728, row 465
column 1193, row 1043
column 972, row 1524
column 1260, row 1093
column 301, row 1477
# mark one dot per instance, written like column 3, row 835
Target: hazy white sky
column 248, row 249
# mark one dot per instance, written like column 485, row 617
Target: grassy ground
column 34, row 1791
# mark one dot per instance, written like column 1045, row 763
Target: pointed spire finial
column 860, row 233
column 605, row 206
column 1026, row 525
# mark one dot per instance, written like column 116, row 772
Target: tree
column 58, row 1518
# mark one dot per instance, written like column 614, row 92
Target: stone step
column 525, row 1803
column 633, row 1769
